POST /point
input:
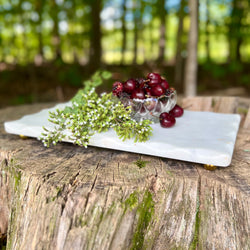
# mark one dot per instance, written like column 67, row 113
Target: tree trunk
column 95, row 52
column 13, row 51
column 136, row 13
column 238, row 45
column 124, row 30
column 141, row 32
column 56, row 39
column 234, row 34
column 39, row 10
column 231, row 32
column 179, row 48
column 162, row 40
column 68, row 197
column 74, row 42
column 190, row 77
column 207, row 43
column 25, row 41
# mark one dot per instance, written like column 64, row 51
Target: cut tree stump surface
column 68, row 197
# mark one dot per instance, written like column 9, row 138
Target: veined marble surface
column 200, row 137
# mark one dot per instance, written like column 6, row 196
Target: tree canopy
column 121, row 31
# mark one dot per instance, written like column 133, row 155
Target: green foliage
column 29, row 27
column 22, row 99
column 140, row 163
column 90, row 114
column 71, row 76
column 235, row 67
column 216, row 70
column 245, row 80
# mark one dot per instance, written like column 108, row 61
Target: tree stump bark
column 68, row 197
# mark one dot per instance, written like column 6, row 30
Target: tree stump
column 68, row 197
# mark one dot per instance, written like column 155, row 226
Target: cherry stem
column 151, row 113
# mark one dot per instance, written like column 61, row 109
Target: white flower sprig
column 90, row 114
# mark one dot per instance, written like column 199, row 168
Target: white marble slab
column 201, row 137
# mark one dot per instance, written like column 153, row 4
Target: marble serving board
column 200, row 137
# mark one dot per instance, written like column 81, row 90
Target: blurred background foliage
column 48, row 47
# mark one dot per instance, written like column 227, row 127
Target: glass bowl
column 149, row 108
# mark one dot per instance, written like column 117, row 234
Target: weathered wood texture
column 67, row 197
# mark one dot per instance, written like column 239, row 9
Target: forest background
column 48, row 47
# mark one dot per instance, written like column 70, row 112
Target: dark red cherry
column 166, row 120
column 117, row 88
column 157, row 90
column 163, row 115
column 138, row 94
column 164, row 84
column 152, row 83
column 154, row 77
column 129, row 86
column 177, row 111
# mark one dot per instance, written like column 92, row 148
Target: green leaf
column 140, row 163
column 106, row 75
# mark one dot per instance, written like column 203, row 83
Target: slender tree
column 207, row 31
column 179, row 47
column 235, row 27
column 141, row 29
column 2, row 47
column 95, row 52
column 124, row 29
column 12, row 48
column 190, row 77
column 72, row 19
column 39, row 5
column 162, row 13
column 24, row 22
column 136, row 19
column 56, row 39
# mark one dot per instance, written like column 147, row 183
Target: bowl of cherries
column 149, row 98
